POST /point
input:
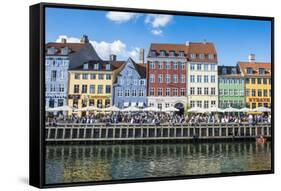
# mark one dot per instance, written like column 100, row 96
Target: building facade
column 166, row 76
column 129, row 88
column 231, row 87
column 257, row 82
column 202, row 75
column 90, row 84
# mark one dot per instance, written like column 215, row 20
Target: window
column 213, row 91
column 93, row 76
column 249, row 70
column 206, row 91
column 199, row 67
column 233, row 71
column 168, row 92
column 135, row 81
column 199, row 79
column 168, row 78
column 107, row 89
column 269, row 81
column 182, row 65
column 225, row 92
column 192, row 104
column 247, row 81
column 175, row 66
column 53, row 75
column 213, row 79
column 159, row 105
column 84, row 76
column 261, row 71
column 231, row 92
column 247, row 92
column 172, row 53
column 100, row 89
column 259, row 80
column 264, row 81
column 182, row 91
column 119, row 93
column 206, row 67
column 142, row 82
column 259, row 93
column 96, row 66
column 152, row 65
column 199, row 91
column 160, row 92
column 61, row 88
column 182, row 78
column 167, row 105
column 100, row 76
column 265, row 93
column 107, row 66
column 206, row 79
column 51, row 103
column 76, row 89
column 162, row 53
column 192, row 67
column 92, row 89
column 211, row 56
column 134, row 93
column 213, row 67
column 52, row 88
column 220, row 92
column 235, row 92
column 254, row 105
column 85, row 66
column 213, row 103
column 108, row 76
column 253, row 80
column 151, row 91
column 175, row 78
column 60, row 102
column 168, row 65
column 151, row 78
column 193, row 56
column 181, row 53
column 206, row 104
column 141, row 93
column 160, row 65
column 84, row 89
column 153, row 53
column 202, row 56
column 192, row 91
column 192, row 78
column 224, row 71
column 127, row 93
column 253, row 93
column 160, row 78
column 199, row 104
column 175, row 92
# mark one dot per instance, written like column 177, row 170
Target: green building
column 231, row 87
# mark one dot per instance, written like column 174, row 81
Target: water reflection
column 108, row 162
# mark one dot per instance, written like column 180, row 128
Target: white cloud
column 156, row 31
column 104, row 49
column 120, row 17
column 158, row 21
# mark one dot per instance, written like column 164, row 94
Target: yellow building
column 91, row 84
column 257, row 83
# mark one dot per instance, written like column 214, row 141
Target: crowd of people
column 160, row 118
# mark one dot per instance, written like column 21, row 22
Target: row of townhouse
column 175, row 75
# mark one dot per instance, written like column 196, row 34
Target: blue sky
column 124, row 33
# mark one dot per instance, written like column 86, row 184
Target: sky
column 124, row 33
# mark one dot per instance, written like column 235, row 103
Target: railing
column 120, row 132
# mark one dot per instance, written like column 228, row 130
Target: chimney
column 252, row 58
column 187, row 43
column 112, row 57
column 63, row 40
column 141, row 56
column 84, row 39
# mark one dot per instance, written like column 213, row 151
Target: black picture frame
column 37, row 95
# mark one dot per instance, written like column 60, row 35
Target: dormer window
column 86, row 66
column 172, row 53
column 107, row 66
column 162, row 53
column 249, row 70
column 233, row 71
column 64, row 51
column 211, row 56
column 96, row 66
column 202, row 56
column 51, row 50
column 181, row 53
column 193, row 56
column 224, row 71
column 153, row 53
column 261, row 71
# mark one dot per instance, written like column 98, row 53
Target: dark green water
column 71, row 163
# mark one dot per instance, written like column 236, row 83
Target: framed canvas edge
column 37, row 168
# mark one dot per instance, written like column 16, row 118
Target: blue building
column 60, row 56
column 130, row 85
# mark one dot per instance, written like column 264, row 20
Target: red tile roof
column 74, row 47
column 255, row 66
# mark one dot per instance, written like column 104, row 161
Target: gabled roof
column 140, row 68
column 74, row 47
column 255, row 66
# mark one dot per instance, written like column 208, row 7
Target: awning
column 133, row 104
column 126, row 104
column 140, row 104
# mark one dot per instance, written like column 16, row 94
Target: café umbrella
column 170, row 109
column 197, row 110
column 245, row 110
column 262, row 109
column 131, row 109
column 112, row 108
column 215, row 110
column 231, row 109
column 60, row 108
column 151, row 109
column 89, row 108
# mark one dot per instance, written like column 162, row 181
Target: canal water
column 80, row 163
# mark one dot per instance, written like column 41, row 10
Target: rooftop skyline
column 123, row 33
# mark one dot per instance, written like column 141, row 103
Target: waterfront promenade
column 145, row 132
